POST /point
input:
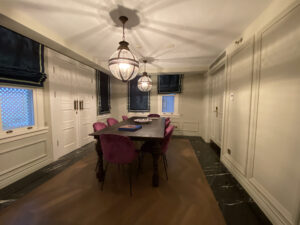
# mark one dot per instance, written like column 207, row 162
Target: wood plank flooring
column 74, row 197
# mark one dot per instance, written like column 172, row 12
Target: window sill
column 103, row 116
column 22, row 134
column 170, row 115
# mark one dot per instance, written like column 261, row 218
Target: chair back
column 112, row 121
column 167, row 138
column 153, row 115
column 99, row 126
column 117, row 149
column 167, row 123
column 125, row 118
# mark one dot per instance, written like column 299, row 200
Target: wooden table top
column 152, row 130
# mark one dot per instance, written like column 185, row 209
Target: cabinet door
column 86, row 97
column 239, row 83
column 62, row 83
column 217, row 84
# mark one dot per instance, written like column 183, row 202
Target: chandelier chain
column 123, row 32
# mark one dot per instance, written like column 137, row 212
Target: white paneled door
column 87, row 106
column 73, row 104
column 217, row 95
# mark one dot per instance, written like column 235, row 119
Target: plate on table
column 145, row 120
column 154, row 118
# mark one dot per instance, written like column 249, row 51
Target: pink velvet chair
column 118, row 149
column 164, row 147
column 97, row 127
column 153, row 115
column 167, row 123
column 125, row 118
column 112, row 121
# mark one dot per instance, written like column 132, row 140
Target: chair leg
column 105, row 173
column 97, row 165
column 139, row 166
column 165, row 158
column 141, row 161
column 165, row 165
column 129, row 176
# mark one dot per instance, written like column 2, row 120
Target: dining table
column 153, row 132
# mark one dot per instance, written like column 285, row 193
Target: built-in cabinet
column 73, row 103
column 238, row 104
column 261, row 144
column 216, row 106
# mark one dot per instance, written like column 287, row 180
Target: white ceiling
column 177, row 35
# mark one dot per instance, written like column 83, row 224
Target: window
column 168, row 84
column 17, row 108
column 138, row 101
column 103, row 93
column 168, row 104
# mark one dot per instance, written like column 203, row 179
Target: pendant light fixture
column 145, row 82
column 123, row 64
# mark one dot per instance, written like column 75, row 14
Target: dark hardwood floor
column 74, row 196
column 236, row 205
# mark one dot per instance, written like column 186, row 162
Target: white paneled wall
column 23, row 152
column 261, row 144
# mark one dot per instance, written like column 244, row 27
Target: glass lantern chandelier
column 145, row 82
column 123, row 64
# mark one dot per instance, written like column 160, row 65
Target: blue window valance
column 138, row 101
column 169, row 83
column 21, row 59
column 103, row 92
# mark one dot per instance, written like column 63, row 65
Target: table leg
column 156, row 152
column 100, row 172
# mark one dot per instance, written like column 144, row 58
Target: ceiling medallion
column 145, row 82
column 123, row 64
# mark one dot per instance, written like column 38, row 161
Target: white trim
column 22, row 130
column 26, row 134
column 27, row 162
column 176, row 105
column 268, row 206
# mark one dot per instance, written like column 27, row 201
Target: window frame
column 98, row 94
column 21, row 130
column 176, row 104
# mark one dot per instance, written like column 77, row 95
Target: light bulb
column 124, row 66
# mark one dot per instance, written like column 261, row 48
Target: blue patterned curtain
column 103, row 92
column 21, row 59
column 138, row 101
column 169, row 84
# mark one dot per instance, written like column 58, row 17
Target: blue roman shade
column 103, row 92
column 138, row 101
column 167, row 84
column 21, row 59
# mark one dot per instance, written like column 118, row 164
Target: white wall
column 261, row 121
column 26, row 152
column 192, row 100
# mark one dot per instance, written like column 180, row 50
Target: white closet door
column 86, row 97
column 63, row 82
column 217, row 106
column 238, row 98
